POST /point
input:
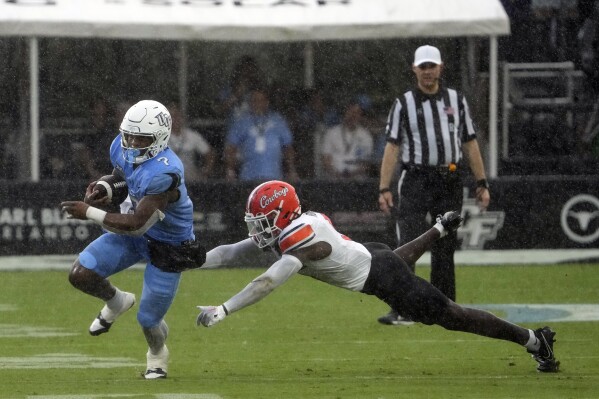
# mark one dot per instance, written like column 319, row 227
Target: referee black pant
column 434, row 191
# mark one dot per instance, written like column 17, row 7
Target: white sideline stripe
column 470, row 257
column 20, row 331
column 42, row 262
column 518, row 256
column 66, row 361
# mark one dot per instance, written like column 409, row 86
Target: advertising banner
column 525, row 213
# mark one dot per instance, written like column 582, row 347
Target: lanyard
column 347, row 139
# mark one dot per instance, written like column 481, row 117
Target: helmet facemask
column 263, row 228
column 137, row 155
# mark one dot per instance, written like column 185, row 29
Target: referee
column 429, row 130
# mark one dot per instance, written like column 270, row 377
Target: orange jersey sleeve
column 296, row 238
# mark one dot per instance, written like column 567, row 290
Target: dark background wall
column 526, row 212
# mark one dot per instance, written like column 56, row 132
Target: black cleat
column 154, row 374
column 99, row 326
column 394, row 319
column 451, row 220
column 544, row 356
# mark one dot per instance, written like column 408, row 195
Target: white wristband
column 441, row 229
column 95, row 214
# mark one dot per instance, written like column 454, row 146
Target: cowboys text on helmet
column 265, row 201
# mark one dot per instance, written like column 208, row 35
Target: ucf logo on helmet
column 163, row 119
column 265, row 201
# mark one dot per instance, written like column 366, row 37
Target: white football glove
column 210, row 315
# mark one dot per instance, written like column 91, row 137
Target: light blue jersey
column 155, row 176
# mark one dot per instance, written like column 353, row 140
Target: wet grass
column 306, row 340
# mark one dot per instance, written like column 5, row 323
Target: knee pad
column 87, row 260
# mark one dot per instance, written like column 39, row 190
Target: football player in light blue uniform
column 160, row 211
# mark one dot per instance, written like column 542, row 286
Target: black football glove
column 450, row 221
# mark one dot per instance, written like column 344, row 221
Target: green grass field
column 306, row 340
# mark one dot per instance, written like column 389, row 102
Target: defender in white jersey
column 308, row 244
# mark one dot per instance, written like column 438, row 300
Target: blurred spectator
column 375, row 124
column 289, row 103
column 317, row 110
column 259, row 142
column 347, row 147
column 57, row 160
column 234, row 99
column 90, row 152
column 194, row 150
column 379, row 140
column 314, row 117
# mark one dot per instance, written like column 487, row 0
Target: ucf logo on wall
column 478, row 227
column 580, row 218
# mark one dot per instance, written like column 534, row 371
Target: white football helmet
column 147, row 118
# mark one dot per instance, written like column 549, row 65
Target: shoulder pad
column 296, row 237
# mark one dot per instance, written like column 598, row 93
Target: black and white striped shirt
column 430, row 128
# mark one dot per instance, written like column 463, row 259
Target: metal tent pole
column 493, row 140
column 34, row 109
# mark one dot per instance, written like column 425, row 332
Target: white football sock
column 113, row 306
column 533, row 343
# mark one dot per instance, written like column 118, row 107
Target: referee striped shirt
column 430, row 128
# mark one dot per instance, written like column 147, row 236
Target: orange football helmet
column 270, row 208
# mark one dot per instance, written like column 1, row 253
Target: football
column 114, row 187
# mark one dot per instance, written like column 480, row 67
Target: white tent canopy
column 252, row 20
column 256, row 21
